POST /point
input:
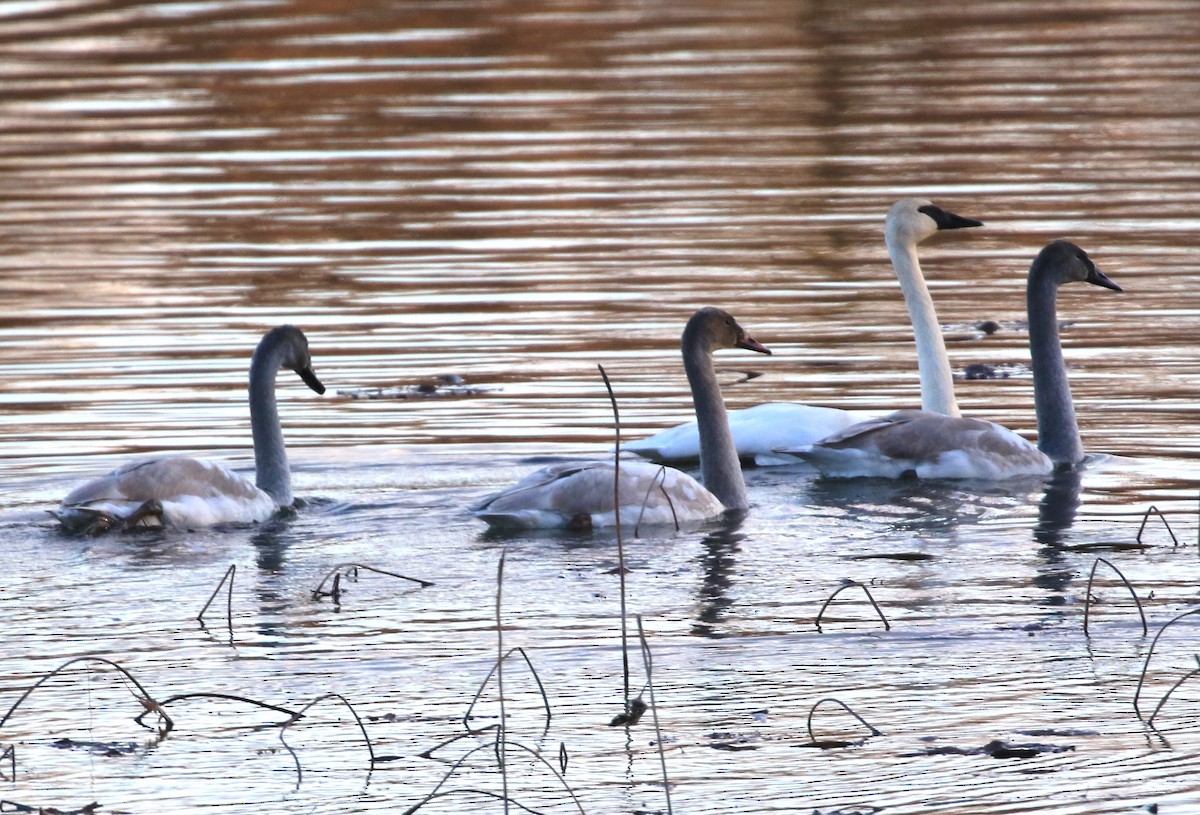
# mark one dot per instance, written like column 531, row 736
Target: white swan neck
column 271, row 473
column 720, row 468
column 1058, row 430
column 933, row 364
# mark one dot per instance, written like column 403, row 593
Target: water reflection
column 718, row 565
column 1056, row 514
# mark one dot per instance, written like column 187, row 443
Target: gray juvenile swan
column 929, row 445
column 175, row 491
column 580, row 494
column 760, row 429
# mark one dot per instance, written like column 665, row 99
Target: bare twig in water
column 353, row 570
column 1146, row 517
column 483, row 684
column 1087, row 606
column 648, row 662
column 502, row 731
column 291, row 714
column 1146, row 667
column 886, row 625
column 812, row 711
column 1167, row 695
column 438, row 793
column 10, row 752
column 300, row 714
column 562, row 757
column 469, row 734
column 145, row 699
column 659, row 481
column 229, row 575
column 620, row 542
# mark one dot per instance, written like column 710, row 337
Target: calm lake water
column 514, row 194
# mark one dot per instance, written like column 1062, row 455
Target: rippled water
column 515, row 194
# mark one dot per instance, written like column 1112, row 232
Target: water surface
column 514, row 195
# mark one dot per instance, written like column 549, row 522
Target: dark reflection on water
column 1056, row 514
column 718, row 568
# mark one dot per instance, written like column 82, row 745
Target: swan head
column 1067, row 263
column 711, row 329
column 912, row 220
column 292, row 347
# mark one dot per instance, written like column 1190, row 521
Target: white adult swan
column 184, row 492
column 760, row 429
column 928, row 445
column 579, row 495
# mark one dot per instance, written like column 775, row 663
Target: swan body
column 176, row 491
column 580, row 494
column 759, row 430
column 930, row 445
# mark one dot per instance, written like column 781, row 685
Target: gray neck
column 1058, row 433
column 719, row 465
column 937, row 381
column 271, row 472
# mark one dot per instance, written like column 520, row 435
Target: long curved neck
column 271, row 472
column 1058, row 433
column 937, row 381
column 719, row 465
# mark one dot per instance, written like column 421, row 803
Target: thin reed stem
column 483, row 684
column 146, row 700
column 648, row 662
column 228, row 576
column 1149, row 654
column 886, row 625
column 291, row 714
column 354, row 568
column 845, row 707
column 438, row 793
column 1087, row 605
column 502, row 732
column 1146, row 517
column 617, row 521
column 300, row 714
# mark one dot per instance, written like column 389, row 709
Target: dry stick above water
column 354, row 568
column 1146, row 667
column 812, row 711
column 886, row 625
column 483, row 684
column 291, row 714
column 146, row 700
column 1153, row 510
column 501, row 744
column 620, row 543
column 648, row 663
column 300, row 714
column 228, row 576
column 1087, row 605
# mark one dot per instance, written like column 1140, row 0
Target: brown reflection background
column 517, row 192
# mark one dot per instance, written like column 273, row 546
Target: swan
column 579, row 495
column 931, row 445
column 175, row 491
column 763, row 428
